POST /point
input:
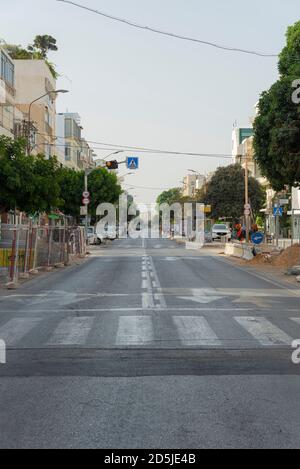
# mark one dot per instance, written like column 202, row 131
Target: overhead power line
column 130, row 186
column 115, row 147
column 166, row 33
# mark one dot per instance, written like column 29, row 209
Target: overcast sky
column 133, row 87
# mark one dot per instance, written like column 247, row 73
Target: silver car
column 221, row 231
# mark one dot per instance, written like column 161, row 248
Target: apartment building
column 73, row 151
column 9, row 114
column 33, row 79
column 193, row 183
column 239, row 134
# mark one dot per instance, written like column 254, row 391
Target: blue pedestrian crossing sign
column 278, row 212
column 132, row 162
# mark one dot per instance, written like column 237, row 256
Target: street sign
column 257, row 238
column 86, row 195
column 132, row 162
column 86, row 201
column 278, row 211
column 247, row 212
column 284, row 201
column 83, row 210
column 247, row 207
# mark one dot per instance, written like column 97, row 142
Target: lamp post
column 114, row 153
column 247, row 199
column 29, row 113
column 124, row 175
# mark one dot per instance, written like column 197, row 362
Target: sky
column 135, row 88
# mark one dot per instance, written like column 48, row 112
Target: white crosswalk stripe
column 16, row 329
column 195, row 331
column 139, row 331
column 135, row 330
column 264, row 331
column 72, row 331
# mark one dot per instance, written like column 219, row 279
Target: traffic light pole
column 86, row 190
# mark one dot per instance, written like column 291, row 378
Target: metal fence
column 25, row 249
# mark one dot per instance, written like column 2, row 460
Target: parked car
column 110, row 232
column 219, row 231
column 91, row 235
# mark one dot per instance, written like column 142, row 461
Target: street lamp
column 126, row 174
column 105, row 158
column 114, row 153
column 29, row 113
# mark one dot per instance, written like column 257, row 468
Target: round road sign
column 257, row 238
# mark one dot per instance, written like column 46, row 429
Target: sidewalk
column 277, row 271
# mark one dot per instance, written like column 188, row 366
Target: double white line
column 151, row 286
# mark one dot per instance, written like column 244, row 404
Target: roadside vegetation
column 34, row 184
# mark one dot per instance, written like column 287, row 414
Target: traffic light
column 112, row 165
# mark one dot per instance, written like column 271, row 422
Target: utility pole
column 247, row 216
column 86, row 190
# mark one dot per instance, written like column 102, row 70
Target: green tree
column 226, row 193
column 27, row 183
column 104, row 188
column 47, row 190
column 16, row 175
column 17, row 52
column 277, row 126
column 37, row 51
column 71, row 184
column 169, row 197
column 42, row 45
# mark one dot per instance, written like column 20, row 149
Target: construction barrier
column 240, row 250
column 25, row 249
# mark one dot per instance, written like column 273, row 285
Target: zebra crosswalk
column 72, row 331
column 195, row 331
column 148, row 330
column 264, row 331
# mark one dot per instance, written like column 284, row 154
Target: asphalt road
column 148, row 344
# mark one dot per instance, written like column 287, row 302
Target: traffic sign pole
column 277, row 221
column 247, row 215
column 86, row 191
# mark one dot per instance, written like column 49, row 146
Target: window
column 68, row 127
column 48, row 151
column 7, row 117
column 67, row 152
column 7, row 70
